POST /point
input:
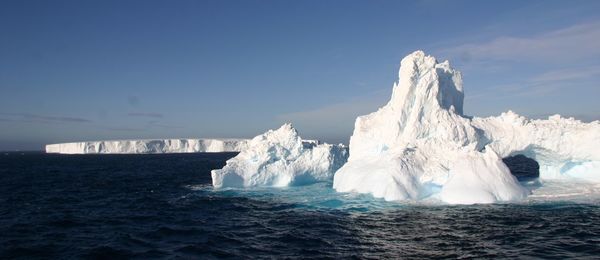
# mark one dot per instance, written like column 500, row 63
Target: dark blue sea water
column 162, row 206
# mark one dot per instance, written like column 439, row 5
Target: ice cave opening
column 522, row 167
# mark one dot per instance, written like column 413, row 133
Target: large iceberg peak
column 426, row 107
column 281, row 158
column 423, row 83
column 420, row 145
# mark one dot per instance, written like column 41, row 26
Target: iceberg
column 149, row 146
column 420, row 144
column 565, row 148
column 280, row 158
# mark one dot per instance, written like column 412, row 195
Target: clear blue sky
column 93, row 70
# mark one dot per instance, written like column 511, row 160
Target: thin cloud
column 142, row 128
column 36, row 118
column 568, row 74
column 577, row 42
column 331, row 112
column 335, row 122
column 146, row 114
column 124, row 129
column 523, row 89
column 133, row 100
column 166, row 126
column 57, row 118
column 540, row 84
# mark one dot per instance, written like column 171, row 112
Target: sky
column 99, row 70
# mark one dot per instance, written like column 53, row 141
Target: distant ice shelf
column 149, row 146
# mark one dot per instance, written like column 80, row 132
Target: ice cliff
column 149, row 146
column 281, row 158
column 420, row 144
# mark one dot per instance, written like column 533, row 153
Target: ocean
column 163, row 206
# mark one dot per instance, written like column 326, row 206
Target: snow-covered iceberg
column 281, row 158
column 565, row 148
column 149, row 146
column 420, row 145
